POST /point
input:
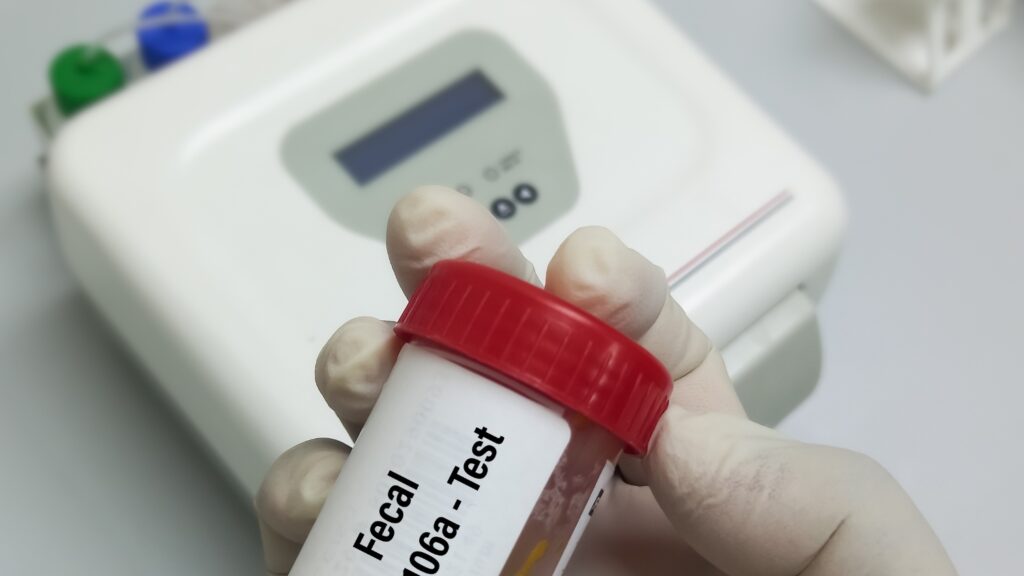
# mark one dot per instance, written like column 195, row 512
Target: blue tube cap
column 169, row 30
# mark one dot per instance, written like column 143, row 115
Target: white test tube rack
column 924, row 39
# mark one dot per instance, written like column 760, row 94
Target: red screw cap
column 549, row 346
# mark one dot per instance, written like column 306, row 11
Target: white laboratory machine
column 227, row 214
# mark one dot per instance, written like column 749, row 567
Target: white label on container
column 441, row 480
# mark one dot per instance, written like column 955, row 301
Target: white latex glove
column 725, row 495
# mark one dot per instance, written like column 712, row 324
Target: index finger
column 432, row 223
column 435, row 223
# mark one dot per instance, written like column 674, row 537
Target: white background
column 921, row 326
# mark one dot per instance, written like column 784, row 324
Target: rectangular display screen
column 408, row 133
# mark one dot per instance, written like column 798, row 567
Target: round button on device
column 503, row 208
column 525, row 193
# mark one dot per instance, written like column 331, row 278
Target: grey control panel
column 469, row 113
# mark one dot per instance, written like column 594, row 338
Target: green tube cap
column 81, row 75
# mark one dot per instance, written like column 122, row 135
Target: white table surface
column 921, row 326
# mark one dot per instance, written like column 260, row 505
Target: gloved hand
column 716, row 494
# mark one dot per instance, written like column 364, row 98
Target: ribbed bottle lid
column 168, row 30
column 81, row 75
column 542, row 342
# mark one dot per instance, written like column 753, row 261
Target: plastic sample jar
column 493, row 438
